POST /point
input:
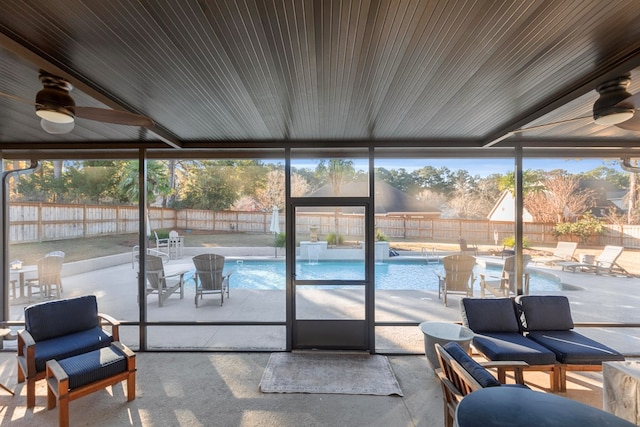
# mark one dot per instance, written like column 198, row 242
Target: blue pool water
column 392, row 275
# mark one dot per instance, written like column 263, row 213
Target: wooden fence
column 36, row 222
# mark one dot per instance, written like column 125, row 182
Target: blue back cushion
column 52, row 319
column 489, row 315
column 480, row 374
column 545, row 312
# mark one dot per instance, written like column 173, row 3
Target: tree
column 41, row 185
column 398, row 178
column 213, row 185
column 338, row 171
column 92, row 181
column 530, row 181
column 562, row 200
column 157, row 180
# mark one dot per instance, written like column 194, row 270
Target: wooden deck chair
column 458, row 277
column 209, row 276
column 563, row 253
column 49, row 277
column 505, row 285
column 606, row 263
column 160, row 283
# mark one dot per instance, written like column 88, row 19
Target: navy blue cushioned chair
column 546, row 319
column 498, row 336
column 56, row 330
column 460, row 375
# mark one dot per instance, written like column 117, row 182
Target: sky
column 482, row 167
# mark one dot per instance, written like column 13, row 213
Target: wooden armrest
column 180, row 273
column 56, row 370
column 453, row 391
column 25, row 340
column 115, row 325
column 123, row 348
column 112, row 320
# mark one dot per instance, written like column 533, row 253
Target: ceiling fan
column 57, row 109
column 615, row 107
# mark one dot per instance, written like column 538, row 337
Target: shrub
column 380, row 236
column 511, row 242
column 335, row 239
column 583, row 229
column 281, row 238
column 162, row 234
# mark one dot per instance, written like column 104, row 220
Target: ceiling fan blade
column 113, row 116
column 17, row 98
column 633, row 100
column 632, row 124
column 546, row 125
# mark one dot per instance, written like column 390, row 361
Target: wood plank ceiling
column 260, row 74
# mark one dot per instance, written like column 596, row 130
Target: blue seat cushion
column 479, row 373
column 70, row 345
column 503, row 346
column 90, row 367
column 489, row 315
column 571, row 347
column 544, row 312
column 52, row 319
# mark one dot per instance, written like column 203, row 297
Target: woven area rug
column 337, row 373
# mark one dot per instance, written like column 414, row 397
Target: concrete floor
column 221, row 389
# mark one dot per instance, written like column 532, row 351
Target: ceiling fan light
column 55, row 116
column 56, row 128
column 614, row 117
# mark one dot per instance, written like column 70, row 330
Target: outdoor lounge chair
column 209, row 277
column 564, row 252
column 458, row 276
column 160, row 283
column 460, row 375
column 546, row 319
column 604, row 263
column 505, row 285
column 498, row 337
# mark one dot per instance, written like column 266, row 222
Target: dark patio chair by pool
column 458, row 277
column 468, row 248
column 498, row 337
column 164, row 285
column 460, row 375
column 546, row 319
column 209, row 276
column 505, row 285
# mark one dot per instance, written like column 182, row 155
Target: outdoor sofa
column 546, row 319
column 498, row 337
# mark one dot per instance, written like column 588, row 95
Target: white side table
column 621, row 389
column 443, row 333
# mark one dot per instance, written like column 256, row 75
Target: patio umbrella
column 275, row 228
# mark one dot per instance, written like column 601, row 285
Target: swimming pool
column 397, row 275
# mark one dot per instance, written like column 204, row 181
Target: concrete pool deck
column 599, row 299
